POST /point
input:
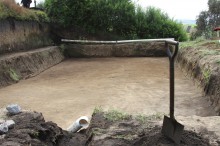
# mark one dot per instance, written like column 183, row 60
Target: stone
column 13, row 109
column 2, row 121
column 2, row 136
column 10, row 123
column 3, row 128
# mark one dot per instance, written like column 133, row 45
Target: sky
column 177, row 9
column 32, row 4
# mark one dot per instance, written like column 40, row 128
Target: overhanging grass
column 218, row 61
column 206, row 75
column 147, row 118
column 197, row 43
column 9, row 9
column 112, row 114
column 115, row 115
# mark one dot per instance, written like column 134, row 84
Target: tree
column 203, row 23
column 118, row 17
column 40, row 5
column 208, row 20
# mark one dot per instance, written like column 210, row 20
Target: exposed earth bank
column 143, row 49
column 201, row 60
column 107, row 129
column 22, row 65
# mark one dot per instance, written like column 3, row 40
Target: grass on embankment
column 204, row 47
column 201, row 59
column 198, row 43
column 114, row 115
column 9, row 9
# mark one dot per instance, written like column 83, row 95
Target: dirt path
column 135, row 85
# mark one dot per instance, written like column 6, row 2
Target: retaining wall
column 202, row 64
column 148, row 49
column 17, row 66
column 23, row 35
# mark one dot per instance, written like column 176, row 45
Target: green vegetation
column 209, row 52
column 117, row 17
column 206, row 75
column 218, row 61
column 98, row 131
column 13, row 75
column 146, row 118
column 9, row 9
column 198, row 42
column 98, row 110
column 35, row 134
column 208, row 20
column 124, row 136
column 114, row 115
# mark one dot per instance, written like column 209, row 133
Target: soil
column 31, row 129
column 133, row 132
column 201, row 60
column 23, row 65
column 147, row 49
column 75, row 87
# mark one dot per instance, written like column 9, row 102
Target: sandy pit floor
column 75, row 87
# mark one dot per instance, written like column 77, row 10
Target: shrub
column 9, row 9
column 120, row 17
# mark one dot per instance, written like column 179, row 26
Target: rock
column 11, row 143
column 2, row 121
column 6, row 125
column 3, row 128
column 13, row 109
column 2, row 136
column 10, row 123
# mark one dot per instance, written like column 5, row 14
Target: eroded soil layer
column 202, row 61
column 17, row 66
column 75, row 87
column 147, row 49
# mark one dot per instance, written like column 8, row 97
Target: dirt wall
column 202, row 63
column 23, row 35
column 149, row 49
column 15, row 67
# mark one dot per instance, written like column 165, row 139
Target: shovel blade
column 172, row 129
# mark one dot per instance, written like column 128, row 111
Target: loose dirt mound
column 31, row 129
column 106, row 129
column 136, row 132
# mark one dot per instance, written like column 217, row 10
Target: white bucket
column 82, row 122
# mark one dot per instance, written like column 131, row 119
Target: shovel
column 171, row 128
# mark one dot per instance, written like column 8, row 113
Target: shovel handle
column 172, row 58
column 172, row 55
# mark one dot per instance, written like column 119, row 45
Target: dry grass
column 9, row 9
column 10, row 4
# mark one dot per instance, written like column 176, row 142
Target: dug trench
column 137, row 85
